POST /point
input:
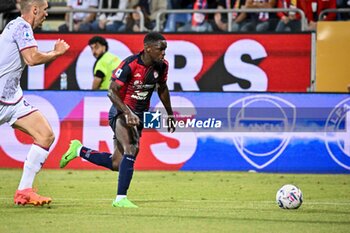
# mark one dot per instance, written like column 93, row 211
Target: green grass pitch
column 176, row 202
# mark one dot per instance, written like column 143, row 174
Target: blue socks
column 99, row 158
column 126, row 170
column 126, row 167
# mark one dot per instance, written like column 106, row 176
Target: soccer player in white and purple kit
column 19, row 49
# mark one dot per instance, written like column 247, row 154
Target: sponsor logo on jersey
column 27, row 35
column 155, row 74
column 140, row 95
column 118, row 72
column 138, row 85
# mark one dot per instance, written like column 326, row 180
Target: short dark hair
column 152, row 37
column 26, row 4
column 100, row 40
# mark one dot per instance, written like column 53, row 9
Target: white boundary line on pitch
column 198, row 201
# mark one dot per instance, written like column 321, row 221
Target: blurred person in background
column 221, row 19
column 313, row 8
column 174, row 21
column 343, row 4
column 105, row 63
column 8, row 5
column 81, row 20
column 262, row 21
column 8, row 8
column 151, row 8
column 109, row 22
column 132, row 22
column 289, row 21
column 200, row 22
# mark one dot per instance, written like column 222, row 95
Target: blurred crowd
column 257, row 21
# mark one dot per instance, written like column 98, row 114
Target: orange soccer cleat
column 29, row 196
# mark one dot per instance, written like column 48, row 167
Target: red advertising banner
column 205, row 62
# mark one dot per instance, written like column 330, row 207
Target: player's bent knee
column 134, row 149
column 46, row 140
column 131, row 149
column 115, row 166
column 51, row 139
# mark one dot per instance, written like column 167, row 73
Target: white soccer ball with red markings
column 289, row 197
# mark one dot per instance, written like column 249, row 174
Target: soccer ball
column 289, row 197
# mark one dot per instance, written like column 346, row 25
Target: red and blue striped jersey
column 138, row 81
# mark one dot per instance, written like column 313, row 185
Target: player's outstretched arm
column 164, row 96
column 32, row 56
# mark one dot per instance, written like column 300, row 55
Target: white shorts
column 11, row 113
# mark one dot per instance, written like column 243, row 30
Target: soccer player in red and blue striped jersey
column 130, row 91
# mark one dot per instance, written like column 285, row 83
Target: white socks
column 119, row 197
column 78, row 151
column 35, row 160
